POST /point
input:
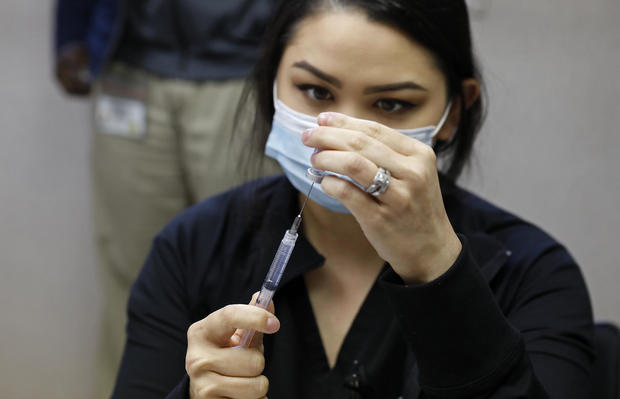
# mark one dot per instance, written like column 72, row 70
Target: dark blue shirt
column 510, row 319
column 186, row 39
column 194, row 39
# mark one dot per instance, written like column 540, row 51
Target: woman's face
column 341, row 61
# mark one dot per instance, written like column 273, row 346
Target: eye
column 391, row 105
column 316, row 93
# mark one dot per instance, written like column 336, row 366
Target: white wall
column 547, row 153
column 49, row 297
column 549, row 148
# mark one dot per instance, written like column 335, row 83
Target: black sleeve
column 153, row 363
column 467, row 347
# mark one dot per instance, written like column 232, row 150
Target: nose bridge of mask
column 425, row 134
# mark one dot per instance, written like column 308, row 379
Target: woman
column 403, row 286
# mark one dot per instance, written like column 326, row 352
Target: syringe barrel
column 272, row 280
column 280, row 260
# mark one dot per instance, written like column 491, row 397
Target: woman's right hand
column 217, row 368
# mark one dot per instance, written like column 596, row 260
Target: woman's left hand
column 407, row 224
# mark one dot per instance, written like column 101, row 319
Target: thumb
column 271, row 308
column 257, row 339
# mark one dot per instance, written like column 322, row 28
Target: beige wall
column 548, row 153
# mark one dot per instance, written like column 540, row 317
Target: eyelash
column 400, row 104
column 306, row 89
column 310, row 92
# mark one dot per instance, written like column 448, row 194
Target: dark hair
column 441, row 26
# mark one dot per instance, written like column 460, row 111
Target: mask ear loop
column 443, row 119
column 444, row 144
column 275, row 95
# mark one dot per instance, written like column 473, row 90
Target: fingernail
column 272, row 324
column 305, row 136
column 324, row 118
column 316, row 151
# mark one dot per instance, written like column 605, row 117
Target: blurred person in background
column 164, row 77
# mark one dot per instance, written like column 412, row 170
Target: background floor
column 548, row 153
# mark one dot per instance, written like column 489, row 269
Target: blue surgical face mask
column 284, row 145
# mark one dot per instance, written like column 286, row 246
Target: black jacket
column 510, row 319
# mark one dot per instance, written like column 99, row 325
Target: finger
column 390, row 137
column 363, row 172
column 329, row 138
column 233, row 362
column 257, row 340
column 239, row 339
column 271, row 308
column 257, row 337
column 216, row 385
column 347, row 163
column 357, row 201
column 219, row 326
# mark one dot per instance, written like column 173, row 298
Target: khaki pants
column 140, row 184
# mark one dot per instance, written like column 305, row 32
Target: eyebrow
column 394, row 87
column 369, row 90
column 318, row 73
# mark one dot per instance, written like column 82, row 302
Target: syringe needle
column 306, row 200
column 297, row 220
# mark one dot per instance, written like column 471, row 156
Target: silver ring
column 380, row 183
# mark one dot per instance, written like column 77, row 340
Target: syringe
column 281, row 259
